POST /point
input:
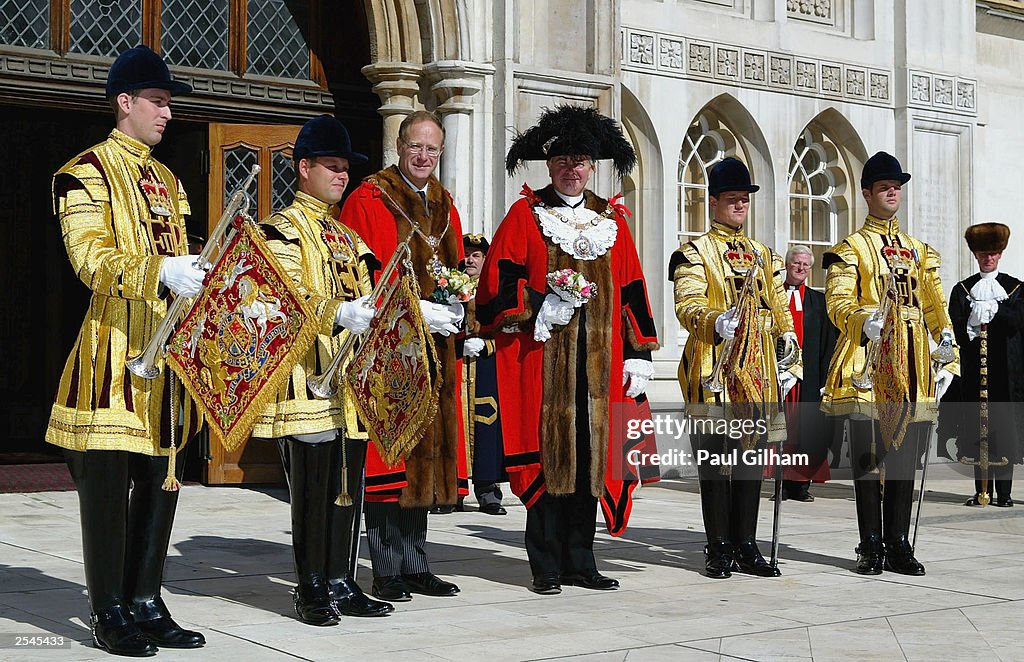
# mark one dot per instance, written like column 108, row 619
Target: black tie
column 423, row 197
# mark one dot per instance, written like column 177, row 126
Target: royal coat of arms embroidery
column 242, row 337
column 393, row 377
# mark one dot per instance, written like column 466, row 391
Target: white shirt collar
column 413, row 186
column 570, row 201
column 991, row 274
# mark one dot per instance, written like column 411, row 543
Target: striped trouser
column 396, row 537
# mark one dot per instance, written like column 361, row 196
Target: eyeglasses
column 418, row 149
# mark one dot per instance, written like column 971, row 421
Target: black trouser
column 1001, row 478
column 884, row 511
column 560, row 534
column 729, row 500
column 126, row 523
column 396, row 537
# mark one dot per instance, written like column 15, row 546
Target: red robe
column 538, row 384
column 435, row 470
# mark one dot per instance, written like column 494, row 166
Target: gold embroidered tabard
column 120, row 212
column 326, row 261
column 707, row 282
column 857, row 277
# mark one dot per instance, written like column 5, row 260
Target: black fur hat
column 572, row 131
column 730, row 174
column 139, row 68
column 325, row 136
column 882, row 166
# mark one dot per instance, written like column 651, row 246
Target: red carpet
column 35, row 478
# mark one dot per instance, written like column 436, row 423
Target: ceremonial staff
column 982, row 461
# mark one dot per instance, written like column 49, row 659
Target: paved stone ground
column 229, row 575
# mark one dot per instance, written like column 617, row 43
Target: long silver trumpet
column 714, row 382
column 322, row 386
column 145, row 365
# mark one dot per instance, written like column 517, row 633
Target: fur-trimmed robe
column 537, row 380
column 435, row 471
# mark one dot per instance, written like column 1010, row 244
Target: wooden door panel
column 233, row 148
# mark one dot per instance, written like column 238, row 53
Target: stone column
column 454, row 84
column 397, row 84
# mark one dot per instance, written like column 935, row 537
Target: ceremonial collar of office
column 725, row 232
column 889, row 227
column 136, row 148
column 579, row 231
column 316, row 207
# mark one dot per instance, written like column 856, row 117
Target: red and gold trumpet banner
column 393, row 379
column 243, row 336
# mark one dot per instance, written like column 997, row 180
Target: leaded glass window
column 105, row 27
column 238, row 162
column 707, row 141
column 276, row 45
column 282, row 179
column 814, row 207
column 195, row 33
column 25, row 23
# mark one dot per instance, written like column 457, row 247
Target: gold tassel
column 344, row 499
column 171, row 482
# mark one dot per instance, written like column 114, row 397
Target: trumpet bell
column 140, row 367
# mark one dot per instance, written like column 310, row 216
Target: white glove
column 355, row 315
column 553, row 311
column 942, row 382
column 982, row 312
column 726, row 323
column 638, row 373
column 787, row 381
column 179, row 273
column 458, row 311
column 439, row 318
column 472, row 347
column 873, row 326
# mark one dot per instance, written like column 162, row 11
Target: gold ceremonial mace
column 983, row 462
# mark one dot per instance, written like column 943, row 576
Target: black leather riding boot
column 714, row 504
column 310, row 487
column 870, row 554
column 897, row 502
column 101, row 479
column 150, row 518
column 867, row 490
column 746, row 498
column 343, row 522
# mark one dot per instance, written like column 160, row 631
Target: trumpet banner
column 745, row 381
column 393, row 379
column 243, row 336
column 892, row 376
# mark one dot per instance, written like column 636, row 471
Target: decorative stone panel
column 755, row 68
column 677, row 56
column 942, row 92
column 816, row 11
